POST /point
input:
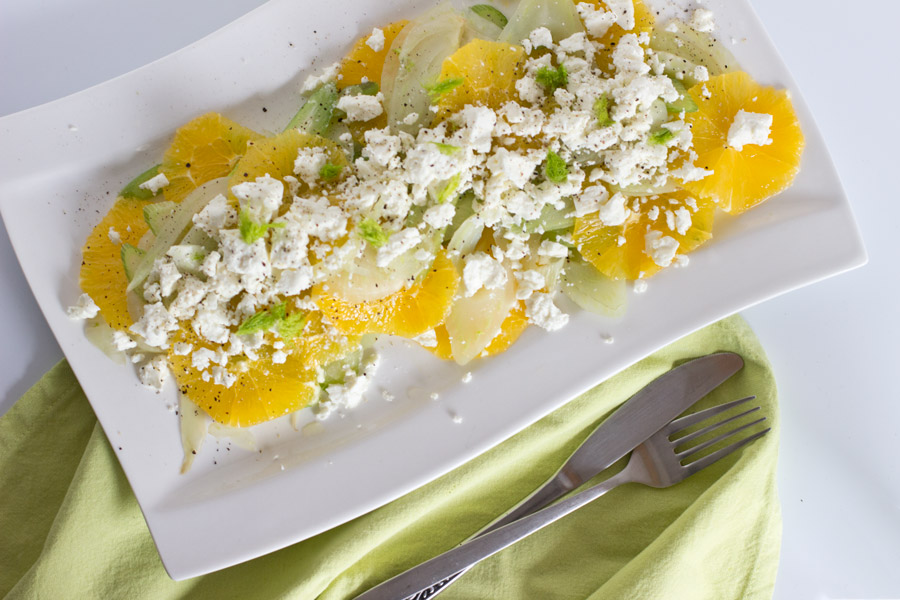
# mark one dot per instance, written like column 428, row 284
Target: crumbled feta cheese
column 314, row 81
column 396, row 245
column 552, row 250
column 361, row 107
column 155, row 324
column 154, row 373
column 590, row 200
column 191, row 292
column 215, row 216
column 439, row 215
column 597, row 22
column 467, row 377
column 168, row 275
column 114, row 236
column 702, row 20
column 155, row 183
column 613, row 213
column 540, row 310
column 122, row 341
column 221, row 376
column 528, row 282
column 279, row 357
column 293, row 281
column 750, row 128
column 640, row 286
column 376, row 40
column 427, row 339
column 682, row 220
column 624, row 12
column 701, row 73
column 309, row 163
column 261, row 198
column 381, row 146
column 482, row 271
column 84, row 308
column 661, row 248
column 182, row 348
column 541, row 37
column 241, row 258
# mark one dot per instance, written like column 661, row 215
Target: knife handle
column 431, row 574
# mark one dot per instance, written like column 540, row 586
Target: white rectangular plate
column 62, row 163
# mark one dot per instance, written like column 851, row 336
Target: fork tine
column 692, row 419
column 717, row 439
column 701, row 432
column 719, row 454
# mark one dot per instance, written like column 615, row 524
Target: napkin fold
column 70, row 526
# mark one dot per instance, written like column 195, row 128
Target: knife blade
column 642, row 415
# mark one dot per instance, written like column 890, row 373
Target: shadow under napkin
column 79, row 533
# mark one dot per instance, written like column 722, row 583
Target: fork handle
column 420, row 579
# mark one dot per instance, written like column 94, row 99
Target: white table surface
column 833, row 345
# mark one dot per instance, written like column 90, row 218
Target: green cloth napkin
column 70, row 526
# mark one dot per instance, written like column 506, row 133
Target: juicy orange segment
column 275, row 155
column 407, row 313
column 488, row 70
column 643, row 23
column 102, row 274
column 318, row 346
column 262, row 391
column 362, row 61
column 204, row 149
column 741, row 180
column 513, row 326
column 599, row 244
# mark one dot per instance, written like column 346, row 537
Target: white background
column 833, row 345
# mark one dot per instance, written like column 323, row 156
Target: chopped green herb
column 555, row 168
column 371, row 231
column 251, row 230
column 552, row 78
column 661, row 136
column 448, row 190
column 292, row 325
column 330, row 171
column 263, row 320
column 447, row 149
column 684, row 103
column 436, row 90
column 486, row 11
column 134, row 190
column 601, row 111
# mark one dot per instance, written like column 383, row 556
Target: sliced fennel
column 464, row 210
column 415, row 60
column 474, row 321
column 101, row 335
column 694, row 46
column 315, row 114
column 187, row 257
column 592, row 290
column 157, row 213
column 559, row 16
column 174, row 228
column 466, row 237
column 194, row 426
column 483, row 22
column 131, row 258
column 646, row 188
column 553, row 219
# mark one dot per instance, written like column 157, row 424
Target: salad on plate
column 446, row 182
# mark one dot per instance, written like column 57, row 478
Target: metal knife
column 632, row 423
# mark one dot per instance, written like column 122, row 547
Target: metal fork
column 658, row 462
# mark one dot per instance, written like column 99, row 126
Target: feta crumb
column 660, row 248
column 467, row 377
column 682, row 220
column 261, row 197
column 155, row 183
column 701, row 73
column 613, row 212
column 528, row 282
column 182, row 348
column 279, row 357
column 750, row 128
column 376, row 40
column 702, row 20
column 624, row 12
column 221, row 376
column 122, row 341
column 482, row 271
column 434, row 396
column 396, row 245
column 590, row 200
column 552, row 249
column 640, row 286
column 597, row 22
column 361, row 107
column 456, row 418
column 114, row 236
column 541, row 37
column 681, row 260
column 314, row 81
column 620, row 241
column 440, row 215
column 411, row 118
column 541, row 311
column 84, row 308
column 154, row 373
column 427, row 339
column 387, row 396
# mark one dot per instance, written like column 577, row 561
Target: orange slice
column 321, row 344
column 102, row 274
column 262, row 391
column 362, row 61
column 599, row 244
column 513, row 326
column 488, row 70
column 408, row 312
column 275, row 155
column 741, row 180
column 206, row 148
column 643, row 23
